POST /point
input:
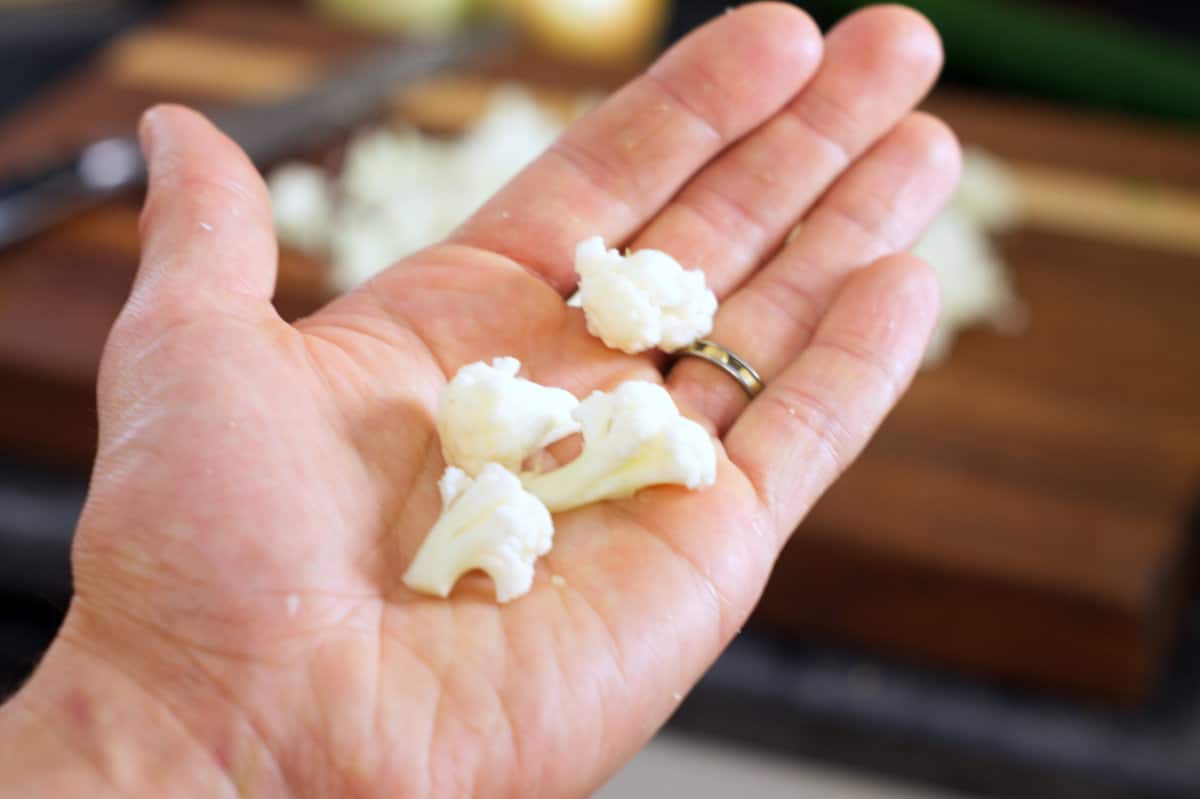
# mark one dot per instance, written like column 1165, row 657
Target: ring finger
column 879, row 206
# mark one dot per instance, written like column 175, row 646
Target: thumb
column 208, row 253
column 208, row 243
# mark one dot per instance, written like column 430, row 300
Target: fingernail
column 153, row 133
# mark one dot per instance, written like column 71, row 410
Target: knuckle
column 194, row 196
column 711, row 116
column 805, row 413
column 601, row 173
column 829, row 120
column 788, row 304
column 867, row 359
column 868, row 222
column 731, row 217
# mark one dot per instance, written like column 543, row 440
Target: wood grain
column 1104, row 208
column 166, row 61
column 1024, row 511
column 1022, row 514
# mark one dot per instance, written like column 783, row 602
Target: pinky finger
column 813, row 420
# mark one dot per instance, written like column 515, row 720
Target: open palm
column 261, row 487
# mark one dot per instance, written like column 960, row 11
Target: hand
column 260, row 487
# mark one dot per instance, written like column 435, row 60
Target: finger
column 208, row 243
column 878, row 64
column 880, row 206
column 815, row 418
column 619, row 164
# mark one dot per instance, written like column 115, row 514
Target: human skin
column 239, row 625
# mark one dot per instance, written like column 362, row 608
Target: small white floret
column 633, row 437
column 643, row 300
column 489, row 523
column 489, row 415
column 302, row 206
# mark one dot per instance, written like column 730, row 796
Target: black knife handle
column 32, row 201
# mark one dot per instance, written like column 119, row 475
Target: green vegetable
column 1067, row 55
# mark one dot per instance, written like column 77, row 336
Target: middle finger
column 878, row 64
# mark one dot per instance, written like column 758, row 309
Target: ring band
column 732, row 365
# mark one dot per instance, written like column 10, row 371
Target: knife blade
column 31, row 202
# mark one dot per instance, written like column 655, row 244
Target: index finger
column 618, row 165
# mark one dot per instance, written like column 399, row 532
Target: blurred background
column 998, row 600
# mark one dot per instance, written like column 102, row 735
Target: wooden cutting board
column 1023, row 514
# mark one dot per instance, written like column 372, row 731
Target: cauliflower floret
column 642, row 300
column 633, row 437
column 488, row 414
column 988, row 191
column 976, row 286
column 302, row 205
column 489, row 523
column 401, row 191
column 510, row 135
column 382, row 165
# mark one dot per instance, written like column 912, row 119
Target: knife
column 32, row 202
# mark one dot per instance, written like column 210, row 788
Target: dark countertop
column 794, row 697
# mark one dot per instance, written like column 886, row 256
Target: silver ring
column 731, row 364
